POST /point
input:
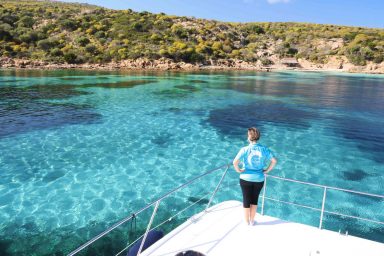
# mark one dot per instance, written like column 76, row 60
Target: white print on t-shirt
column 254, row 158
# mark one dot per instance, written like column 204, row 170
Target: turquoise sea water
column 80, row 150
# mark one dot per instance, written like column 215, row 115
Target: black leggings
column 251, row 191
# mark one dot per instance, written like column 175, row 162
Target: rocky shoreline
column 163, row 64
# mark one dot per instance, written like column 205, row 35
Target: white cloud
column 278, row 1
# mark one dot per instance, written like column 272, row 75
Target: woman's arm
column 271, row 165
column 236, row 166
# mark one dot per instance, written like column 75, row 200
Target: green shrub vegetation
column 80, row 33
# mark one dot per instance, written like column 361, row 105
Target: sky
column 360, row 13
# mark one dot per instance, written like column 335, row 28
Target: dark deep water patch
column 11, row 80
column 368, row 135
column 26, row 239
column 75, row 78
column 198, row 81
column 234, row 120
column 32, row 116
column 346, row 93
column 79, row 78
column 123, row 84
column 162, row 139
column 60, row 91
column 24, row 109
column 173, row 93
column 175, row 110
column 4, row 246
column 332, row 93
column 39, row 92
column 187, row 87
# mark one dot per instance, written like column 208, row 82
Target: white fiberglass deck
column 221, row 231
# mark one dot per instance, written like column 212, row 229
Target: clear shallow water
column 82, row 150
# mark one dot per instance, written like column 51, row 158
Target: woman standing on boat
column 255, row 158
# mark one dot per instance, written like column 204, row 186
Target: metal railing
column 156, row 204
column 322, row 209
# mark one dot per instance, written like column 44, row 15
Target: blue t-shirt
column 254, row 157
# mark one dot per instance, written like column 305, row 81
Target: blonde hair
column 253, row 134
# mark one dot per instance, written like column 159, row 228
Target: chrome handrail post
column 264, row 189
column 217, row 187
column 148, row 227
column 322, row 208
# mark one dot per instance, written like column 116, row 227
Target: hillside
column 54, row 34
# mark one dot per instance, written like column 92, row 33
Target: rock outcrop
column 334, row 63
